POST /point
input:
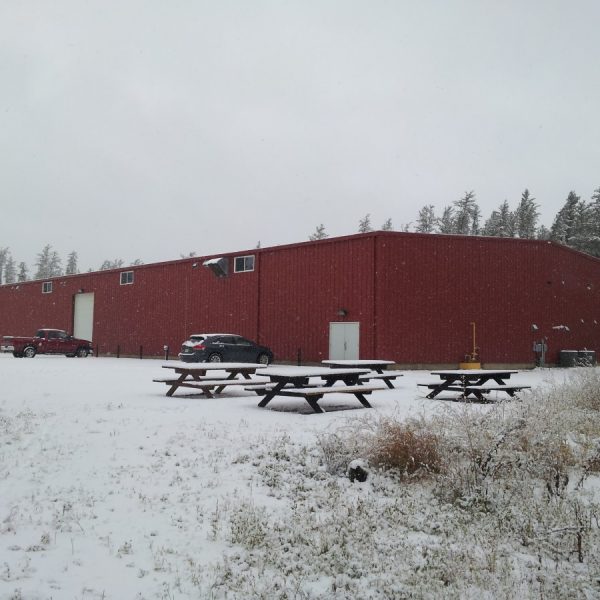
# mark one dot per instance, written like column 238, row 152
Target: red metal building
column 401, row 296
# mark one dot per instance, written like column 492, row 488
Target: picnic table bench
column 294, row 382
column 377, row 368
column 313, row 394
column 194, row 375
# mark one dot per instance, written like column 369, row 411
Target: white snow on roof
column 212, row 334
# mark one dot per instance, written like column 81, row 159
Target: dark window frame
column 126, row 278
column 248, row 262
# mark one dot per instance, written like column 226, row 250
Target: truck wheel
column 29, row 352
column 81, row 352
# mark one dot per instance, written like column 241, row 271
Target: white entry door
column 83, row 318
column 343, row 341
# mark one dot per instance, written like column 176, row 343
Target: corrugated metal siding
column 169, row 302
column 413, row 295
column 435, row 286
column 165, row 304
column 304, row 287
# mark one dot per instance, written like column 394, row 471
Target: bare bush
column 405, row 448
column 584, row 389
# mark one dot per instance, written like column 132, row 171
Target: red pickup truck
column 46, row 341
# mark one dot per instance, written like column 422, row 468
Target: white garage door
column 83, row 320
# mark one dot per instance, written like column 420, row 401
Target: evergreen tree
column 10, row 270
column 319, row 233
column 526, row 217
column 364, row 225
column 447, row 223
column 492, row 226
column 3, row 257
column 466, row 219
column 566, row 221
column 23, row 272
column 387, row 226
column 137, row 262
column 593, row 241
column 582, row 229
column 501, row 222
column 71, row 268
column 43, row 263
column 475, row 218
column 55, row 265
column 427, row 221
column 542, row 233
column 111, row 264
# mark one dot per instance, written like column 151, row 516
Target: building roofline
column 328, row 240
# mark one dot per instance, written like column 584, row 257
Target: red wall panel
column 435, row 286
column 303, row 287
column 413, row 295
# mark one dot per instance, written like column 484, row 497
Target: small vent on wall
column 219, row 266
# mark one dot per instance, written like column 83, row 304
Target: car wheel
column 81, row 352
column 215, row 358
column 29, row 352
column 263, row 359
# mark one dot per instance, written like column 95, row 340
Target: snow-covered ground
column 111, row 490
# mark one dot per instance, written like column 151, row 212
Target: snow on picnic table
column 110, row 489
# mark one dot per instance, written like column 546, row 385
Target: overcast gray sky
column 147, row 129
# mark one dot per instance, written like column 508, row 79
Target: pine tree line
column 48, row 264
column 577, row 223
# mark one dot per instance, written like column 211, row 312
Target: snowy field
column 111, row 490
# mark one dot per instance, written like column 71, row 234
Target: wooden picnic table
column 294, row 381
column 378, row 366
column 475, row 382
column 193, row 375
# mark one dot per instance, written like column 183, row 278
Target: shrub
column 584, row 388
column 403, row 447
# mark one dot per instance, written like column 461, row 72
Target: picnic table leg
column 271, row 394
column 442, row 387
column 389, row 384
column 314, row 403
column 229, row 378
column 362, row 399
column 175, row 385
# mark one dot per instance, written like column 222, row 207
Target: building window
column 47, row 287
column 244, row 263
column 126, row 277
